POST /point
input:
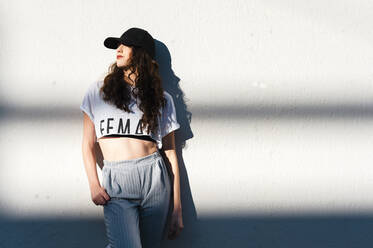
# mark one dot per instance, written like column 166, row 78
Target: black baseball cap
column 133, row 37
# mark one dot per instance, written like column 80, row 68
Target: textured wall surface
column 275, row 101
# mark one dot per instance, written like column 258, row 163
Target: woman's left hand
column 176, row 223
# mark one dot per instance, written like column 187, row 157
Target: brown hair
column 148, row 87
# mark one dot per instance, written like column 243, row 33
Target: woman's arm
column 88, row 153
column 168, row 145
column 98, row 193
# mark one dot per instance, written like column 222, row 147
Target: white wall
column 280, row 94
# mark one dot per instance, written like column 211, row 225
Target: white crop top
column 108, row 119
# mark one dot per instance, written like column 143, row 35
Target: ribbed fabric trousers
column 138, row 213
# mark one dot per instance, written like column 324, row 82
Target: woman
column 133, row 118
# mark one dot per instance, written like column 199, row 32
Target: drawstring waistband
column 148, row 158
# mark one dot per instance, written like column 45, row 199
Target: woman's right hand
column 99, row 195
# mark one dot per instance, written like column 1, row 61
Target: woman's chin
column 120, row 64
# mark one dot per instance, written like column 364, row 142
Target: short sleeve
column 86, row 105
column 169, row 121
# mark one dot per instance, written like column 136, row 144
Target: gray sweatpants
column 138, row 213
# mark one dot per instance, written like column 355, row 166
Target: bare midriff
column 122, row 148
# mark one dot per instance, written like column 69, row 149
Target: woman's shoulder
column 167, row 96
column 170, row 104
column 95, row 86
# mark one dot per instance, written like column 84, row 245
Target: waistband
column 136, row 161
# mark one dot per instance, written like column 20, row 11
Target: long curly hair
column 147, row 87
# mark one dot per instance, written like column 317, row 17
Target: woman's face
column 123, row 54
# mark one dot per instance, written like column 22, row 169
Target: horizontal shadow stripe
column 217, row 111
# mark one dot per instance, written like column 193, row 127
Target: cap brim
column 112, row 42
